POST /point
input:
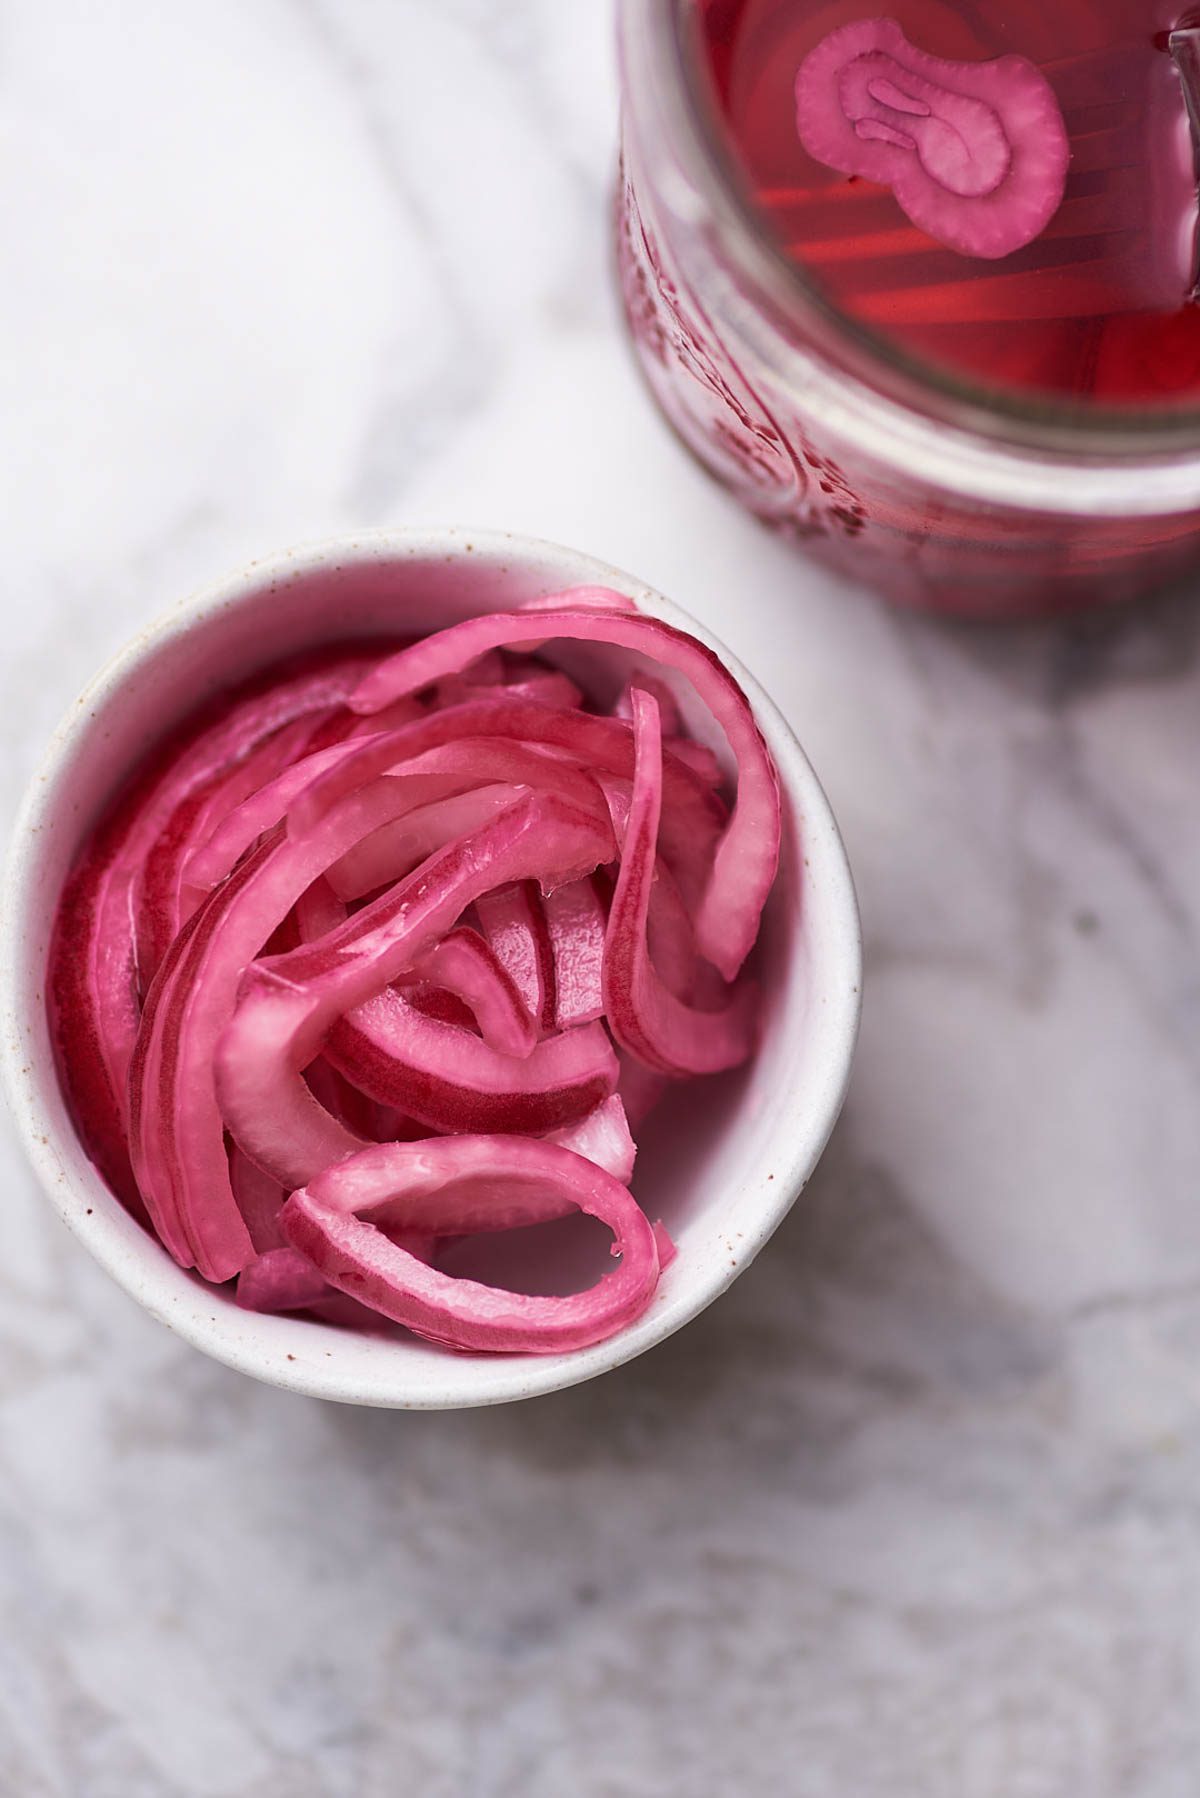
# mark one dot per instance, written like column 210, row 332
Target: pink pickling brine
column 976, row 154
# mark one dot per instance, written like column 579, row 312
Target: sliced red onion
column 178, row 1149
column 397, row 848
column 644, row 1015
column 599, row 745
column 342, row 1099
column 666, row 1248
column 547, row 687
column 603, row 1136
column 590, row 599
column 458, row 1186
column 976, row 153
column 452, row 1080
column 669, row 934
column 575, row 920
column 302, row 1036
column 435, row 1002
column 514, row 925
column 670, row 940
column 259, row 1199
column 696, row 756
column 94, row 993
column 461, row 967
column 212, row 856
column 92, row 999
column 748, row 852
column 161, row 900
column 281, row 1279
column 668, row 706
column 486, row 671
column 484, row 776
column 465, row 965
column 288, row 1003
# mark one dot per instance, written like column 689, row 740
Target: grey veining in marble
column 915, row 1511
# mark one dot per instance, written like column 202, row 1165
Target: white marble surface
column 915, row 1511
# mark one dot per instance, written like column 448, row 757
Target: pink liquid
column 1098, row 307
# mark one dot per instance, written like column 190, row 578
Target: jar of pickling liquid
column 920, row 289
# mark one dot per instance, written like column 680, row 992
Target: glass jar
column 888, row 471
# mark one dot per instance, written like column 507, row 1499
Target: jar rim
column 862, row 371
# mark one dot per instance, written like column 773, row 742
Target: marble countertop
column 914, row 1512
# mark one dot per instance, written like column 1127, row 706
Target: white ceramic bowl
column 723, row 1162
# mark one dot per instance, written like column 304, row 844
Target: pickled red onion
column 646, row 1018
column 515, row 926
column 94, row 989
column 457, row 1186
column 318, row 935
column 288, row 1003
column 604, row 1137
column 748, row 852
column 575, row 921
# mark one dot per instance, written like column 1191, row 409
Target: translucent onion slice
column 177, row 1143
column 465, row 965
column 95, row 992
column 575, row 921
column 391, row 852
column 451, row 1080
column 474, row 764
column 599, row 745
column 514, row 925
column 548, row 687
column 281, row 1279
column 161, row 901
column 325, row 930
column 748, row 852
column 603, row 1136
column 213, row 855
column 461, row 966
column 288, row 1003
column 259, row 1199
column 459, row 1186
column 668, row 705
column 644, row 1015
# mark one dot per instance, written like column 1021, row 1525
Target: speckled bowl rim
column 137, row 1263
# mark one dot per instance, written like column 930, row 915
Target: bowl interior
column 720, row 1161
